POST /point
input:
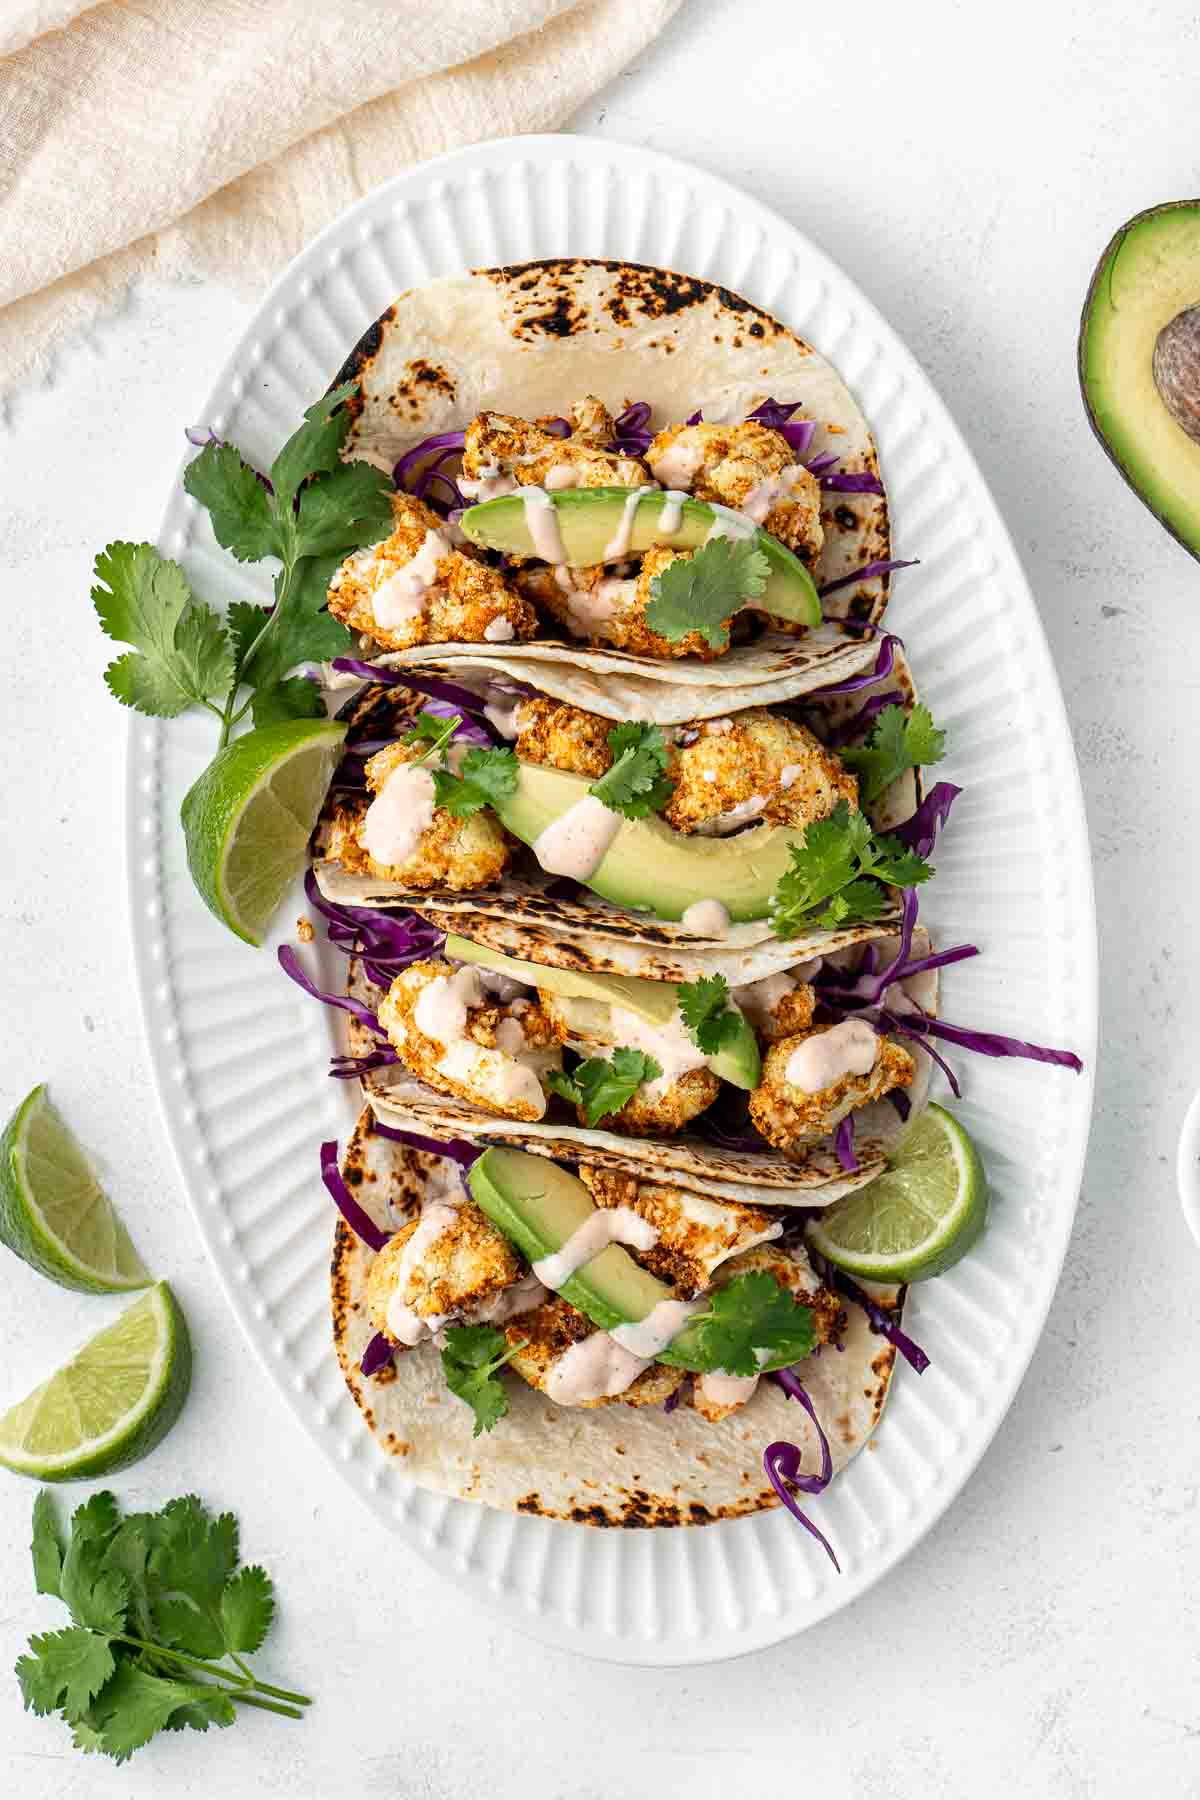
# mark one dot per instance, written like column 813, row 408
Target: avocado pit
column 1176, row 364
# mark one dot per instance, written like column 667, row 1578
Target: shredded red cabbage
column 848, row 481
column 632, row 429
column 878, row 1319
column 672, row 1400
column 380, row 1353
column 844, row 1145
column 444, row 440
column 858, row 726
column 984, row 1043
column 694, row 418
column 883, row 667
column 777, row 416
column 387, row 941
column 459, row 699
column 353, row 1068
column 901, row 1102
column 867, row 573
column 920, row 832
column 360, row 1222
column 456, row 1149
column 472, row 730
column 289, row 962
column 781, row 1461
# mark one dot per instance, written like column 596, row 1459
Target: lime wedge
column 917, row 1218
column 248, row 819
column 54, row 1213
column 111, row 1403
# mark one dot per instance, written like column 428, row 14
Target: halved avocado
column 590, row 519
column 538, row 1205
column 657, row 1002
column 651, row 868
column 1139, row 361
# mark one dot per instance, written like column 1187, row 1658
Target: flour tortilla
column 605, row 1465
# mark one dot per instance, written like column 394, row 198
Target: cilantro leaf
column 344, row 510
column 181, row 653
column 135, row 1704
column 247, row 1608
column 484, row 777
column 244, row 517
column 710, row 1019
column 46, row 1546
column 636, row 783
column 215, row 1708
column 839, row 872
column 302, row 629
column 602, row 1085
column 470, row 1359
column 315, row 447
column 194, row 1556
column 67, row 1669
column 895, row 743
column 298, row 698
column 128, row 1552
column 429, row 729
column 703, row 592
column 95, row 1593
column 752, row 1313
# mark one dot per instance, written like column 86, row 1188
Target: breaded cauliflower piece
column 748, row 467
column 604, row 608
column 790, row 1117
column 755, row 766
column 695, row 1234
column 459, row 854
column 415, row 587
column 466, row 1266
column 451, row 1035
column 564, row 737
column 592, row 422
column 650, row 1113
column 501, row 452
column 548, row 1333
column 792, row 1270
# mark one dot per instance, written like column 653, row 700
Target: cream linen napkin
column 217, row 136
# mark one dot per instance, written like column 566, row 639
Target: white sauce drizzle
column 588, row 612
column 595, row 1368
column 403, row 1324
column 490, row 485
column 676, row 465
column 401, row 812
column 728, row 524
column 442, row 1005
column 707, row 918
column 541, row 522
column 764, row 494
column 576, row 842
column 510, row 1038
column 401, row 597
column 789, row 773
column 521, row 1297
column 758, row 999
column 607, row 1225
column 499, row 631
column 671, row 1046
column 671, row 516
column 562, row 475
column 505, row 1081
column 740, row 814
column 651, row 1335
column 726, row 1390
column 502, row 709
column 846, row 1049
column 618, row 544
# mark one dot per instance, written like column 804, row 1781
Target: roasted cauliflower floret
column 451, row 1035
column 695, row 1234
column 501, row 453
column 791, row 1268
column 591, row 421
column 662, row 1110
column 416, row 588
column 812, row 1080
column 547, row 1335
column 402, row 835
column 748, row 467
column 565, row 737
column 779, row 1006
column 603, row 608
column 457, row 1271
column 755, row 766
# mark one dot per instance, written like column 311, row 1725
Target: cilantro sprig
column 602, row 1085
column 314, row 510
column 702, row 593
column 636, row 784
column 471, row 1358
column 896, row 742
column 751, row 1313
column 707, row 1013
column 484, row 777
column 157, row 1600
column 840, row 874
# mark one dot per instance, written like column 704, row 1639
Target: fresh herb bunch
column 711, row 1020
column 897, row 741
column 840, row 874
column 602, row 1085
column 484, row 777
column 701, row 593
column 157, row 1601
column 636, row 784
column 471, row 1358
column 312, row 513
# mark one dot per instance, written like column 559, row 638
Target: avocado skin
column 1184, row 530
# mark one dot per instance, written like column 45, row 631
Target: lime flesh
column 111, row 1403
column 917, row 1218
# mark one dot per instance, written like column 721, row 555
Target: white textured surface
column 1043, row 1635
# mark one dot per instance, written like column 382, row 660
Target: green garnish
column 484, row 777
column 895, row 743
column 429, row 729
column 602, row 1085
column 840, row 874
column 751, row 1313
column 156, row 1599
column 710, row 1019
column 183, row 652
column 470, row 1358
column 702, row 593
column 636, row 783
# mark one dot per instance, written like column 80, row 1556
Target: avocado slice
column 1139, row 361
column 657, row 1002
column 538, row 1205
column 649, row 867
column 589, row 519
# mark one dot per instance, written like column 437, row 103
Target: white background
column 966, row 166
